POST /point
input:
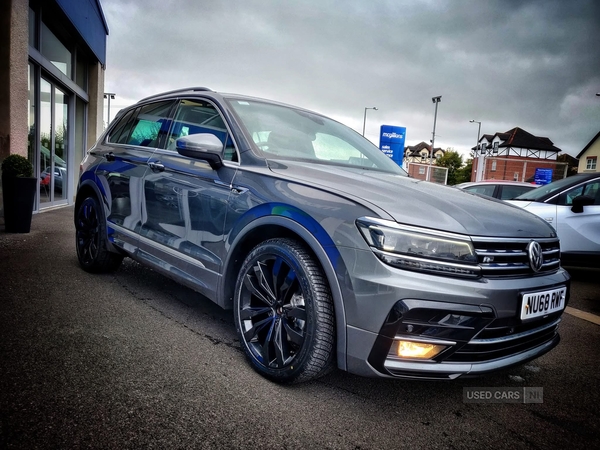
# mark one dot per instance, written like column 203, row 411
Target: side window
column 510, row 192
column 200, row 116
column 151, row 125
column 120, row 132
column 566, row 198
column 483, row 190
column 593, row 190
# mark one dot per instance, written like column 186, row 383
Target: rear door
column 185, row 200
column 125, row 153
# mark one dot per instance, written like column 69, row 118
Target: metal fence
column 419, row 171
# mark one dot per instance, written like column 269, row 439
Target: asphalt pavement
column 133, row 360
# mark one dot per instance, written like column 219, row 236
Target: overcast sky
column 534, row 64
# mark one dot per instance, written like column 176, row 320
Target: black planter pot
column 19, row 195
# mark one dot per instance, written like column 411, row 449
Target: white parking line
column 583, row 315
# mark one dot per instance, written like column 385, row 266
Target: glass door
column 54, row 148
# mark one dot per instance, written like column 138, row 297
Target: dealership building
column 52, row 62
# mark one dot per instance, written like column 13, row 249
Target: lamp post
column 478, row 132
column 365, row 119
column 109, row 96
column 480, row 159
column 435, row 100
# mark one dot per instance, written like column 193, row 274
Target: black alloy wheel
column 91, row 239
column 284, row 312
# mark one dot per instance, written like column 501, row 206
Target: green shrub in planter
column 18, row 191
column 16, row 166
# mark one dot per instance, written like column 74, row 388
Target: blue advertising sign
column 391, row 142
column 543, row 176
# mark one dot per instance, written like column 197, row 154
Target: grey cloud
column 532, row 64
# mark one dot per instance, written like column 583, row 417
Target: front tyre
column 91, row 239
column 284, row 313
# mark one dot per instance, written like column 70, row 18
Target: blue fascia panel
column 88, row 19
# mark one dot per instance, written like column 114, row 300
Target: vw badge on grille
column 536, row 258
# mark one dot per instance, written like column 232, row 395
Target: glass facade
column 81, row 71
column 55, row 51
column 57, row 105
column 31, row 135
column 53, row 144
column 45, row 143
column 49, row 80
column 32, row 28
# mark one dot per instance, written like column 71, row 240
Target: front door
column 185, row 200
column 54, row 145
column 579, row 232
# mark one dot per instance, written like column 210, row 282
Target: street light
column 478, row 132
column 109, row 96
column 479, row 162
column 435, row 100
column 365, row 119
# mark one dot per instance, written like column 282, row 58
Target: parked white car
column 572, row 207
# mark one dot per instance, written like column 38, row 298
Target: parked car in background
column 60, row 174
column 572, row 207
column 327, row 252
column 503, row 190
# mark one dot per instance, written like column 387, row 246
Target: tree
column 573, row 163
column 464, row 173
column 453, row 161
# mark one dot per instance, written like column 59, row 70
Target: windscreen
column 282, row 132
column 542, row 193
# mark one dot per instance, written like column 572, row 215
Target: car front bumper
column 477, row 322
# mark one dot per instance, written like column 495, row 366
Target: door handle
column 110, row 156
column 156, row 166
column 239, row 190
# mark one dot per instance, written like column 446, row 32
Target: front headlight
column 419, row 249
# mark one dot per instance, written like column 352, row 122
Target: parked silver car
column 327, row 252
column 501, row 189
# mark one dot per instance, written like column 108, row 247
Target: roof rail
column 193, row 89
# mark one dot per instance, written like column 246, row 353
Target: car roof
column 489, row 182
column 199, row 90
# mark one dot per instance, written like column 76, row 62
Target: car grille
column 504, row 337
column 508, row 257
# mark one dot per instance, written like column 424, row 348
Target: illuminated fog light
column 418, row 350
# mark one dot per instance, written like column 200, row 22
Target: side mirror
column 203, row 146
column 580, row 201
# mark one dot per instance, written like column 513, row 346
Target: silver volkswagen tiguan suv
column 327, row 252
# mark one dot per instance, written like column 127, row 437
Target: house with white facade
column 588, row 157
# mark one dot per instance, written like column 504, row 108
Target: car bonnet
column 419, row 203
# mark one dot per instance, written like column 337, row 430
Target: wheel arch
column 89, row 188
column 268, row 227
column 85, row 189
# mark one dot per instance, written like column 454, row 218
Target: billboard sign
column 543, row 176
column 391, row 142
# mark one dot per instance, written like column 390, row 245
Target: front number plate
column 536, row 304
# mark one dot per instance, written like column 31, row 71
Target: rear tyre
column 284, row 313
column 91, row 239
